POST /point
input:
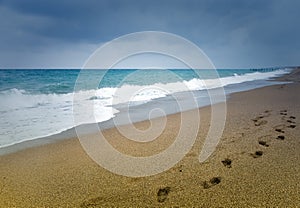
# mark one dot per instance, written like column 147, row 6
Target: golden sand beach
column 256, row 163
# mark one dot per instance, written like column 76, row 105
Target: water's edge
column 90, row 128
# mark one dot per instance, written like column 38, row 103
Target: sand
column 256, row 163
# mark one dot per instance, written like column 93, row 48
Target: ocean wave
column 13, row 99
column 26, row 115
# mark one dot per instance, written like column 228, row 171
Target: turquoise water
column 59, row 81
column 37, row 103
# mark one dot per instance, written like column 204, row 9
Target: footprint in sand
column 227, row 162
column 280, row 137
column 290, row 118
column 290, row 121
column 162, row 194
column 258, row 120
column 212, row 182
column 257, row 154
column 259, row 123
column 283, row 112
column 279, row 130
column 263, row 143
column 266, row 113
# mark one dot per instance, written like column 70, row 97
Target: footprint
column 263, row 143
column 292, row 117
column 290, row 121
column 212, row 182
column 227, row 162
column 257, row 154
column 162, row 194
column 267, row 113
column 292, row 126
column 279, row 130
column 283, row 111
column 261, row 116
column 280, row 137
column 215, row 180
column 259, row 123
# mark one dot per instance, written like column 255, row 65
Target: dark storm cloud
column 233, row 33
column 89, row 19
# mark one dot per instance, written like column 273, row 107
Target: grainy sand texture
column 256, row 163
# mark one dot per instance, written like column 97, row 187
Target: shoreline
column 256, row 163
column 71, row 133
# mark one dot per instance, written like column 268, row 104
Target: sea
column 37, row 103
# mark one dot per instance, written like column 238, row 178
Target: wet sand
column 256, row 163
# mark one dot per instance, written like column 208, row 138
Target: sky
column 232, row 33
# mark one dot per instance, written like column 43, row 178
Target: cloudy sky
column 233, row 33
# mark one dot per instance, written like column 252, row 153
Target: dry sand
column 252, row 166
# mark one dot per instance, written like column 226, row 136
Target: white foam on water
column 26, row 116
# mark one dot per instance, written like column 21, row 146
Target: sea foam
column 26, row 116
